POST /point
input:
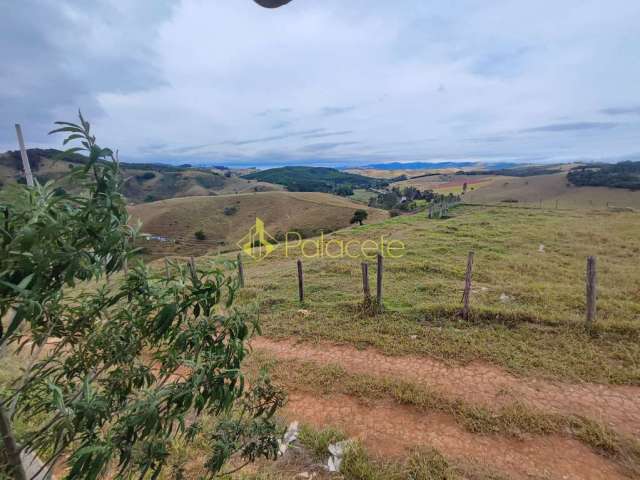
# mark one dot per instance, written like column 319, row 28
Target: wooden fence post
column 25, row 158
column 466, row 296
column 125, row 267
column 240, row 270
column 379, row 282
column 365, row 283
column 591, row 291
column 300, row 282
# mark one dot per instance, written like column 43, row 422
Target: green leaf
column 165, row 317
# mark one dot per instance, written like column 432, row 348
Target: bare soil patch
column 615, row 406
column 391, row 430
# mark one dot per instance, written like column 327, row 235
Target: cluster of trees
column 130, row 366
column 316, row 179
column 145, row 176
column 619, row 175
column 401, row 199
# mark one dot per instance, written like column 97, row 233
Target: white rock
column 290, row 436
column 337, row 453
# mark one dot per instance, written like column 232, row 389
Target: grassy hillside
column 519, row 390
column 224, row 220
column 549, row 189
column 543, row 291
column 445, row 183
column 143, row 182
column 314, row 179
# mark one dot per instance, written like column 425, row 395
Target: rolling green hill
column 315, row 179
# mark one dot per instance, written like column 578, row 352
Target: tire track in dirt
column 477, row 383
column 389, row 430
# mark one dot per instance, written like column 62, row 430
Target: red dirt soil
column 390, row 430
column 477, row 383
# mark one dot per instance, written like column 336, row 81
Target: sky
column 327, row 82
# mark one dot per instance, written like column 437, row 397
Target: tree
column 359, row 216
column 200, row 235
column 134, row 365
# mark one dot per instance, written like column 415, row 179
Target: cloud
column 58, row 56
column 272, row 138
column 327, row 134
column 226, row 81
column 572, row 127
column 621, row 110
column 329, row 111
column 321, row 147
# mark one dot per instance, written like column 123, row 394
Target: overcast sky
column 333, row 82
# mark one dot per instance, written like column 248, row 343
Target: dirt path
column 388, row 430
column 477, row 383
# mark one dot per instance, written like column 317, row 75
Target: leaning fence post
column 365, row 283
column 300, row 282
column 466, row 296
column 240, row 270
column 379, row 282
column 25, row 158
column 591, row 291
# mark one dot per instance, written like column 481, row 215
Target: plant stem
column 13, row 452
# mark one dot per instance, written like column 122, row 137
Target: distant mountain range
column 434, row 165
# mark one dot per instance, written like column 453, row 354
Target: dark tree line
column 619, row 175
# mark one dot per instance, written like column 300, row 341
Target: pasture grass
column 527, row 301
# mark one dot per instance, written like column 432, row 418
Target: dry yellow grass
column 549, row 189
column 179, row 218
column 447, row 183
column 388, row 174
column 529, row 304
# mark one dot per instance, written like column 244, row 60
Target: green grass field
column 528, row 305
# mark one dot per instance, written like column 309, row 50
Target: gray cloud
column 273, row 111
column 57, row 59
column 621, row 110
column 226, row 80
column 327, row 134
column 281, row 124
column 321, row 147
column 569, row 127
column 330, row 111
column 272, row 138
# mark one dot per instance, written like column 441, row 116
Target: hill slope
column 143, row 182
column 549, row 189
column 314, row 179
column 178, row 219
